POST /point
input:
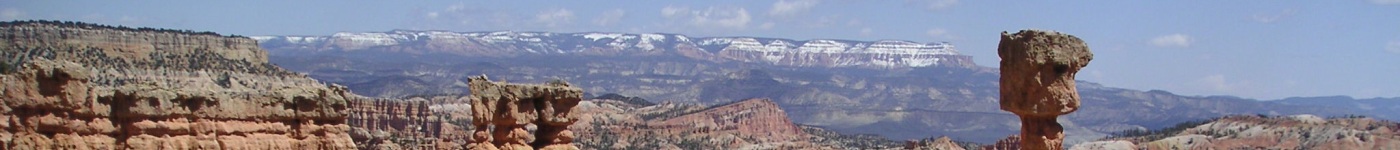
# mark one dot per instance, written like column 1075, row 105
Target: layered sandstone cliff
column 748, row 124
column 83, row 86
column 396, row 123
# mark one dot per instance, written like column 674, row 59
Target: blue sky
column 1249, row 48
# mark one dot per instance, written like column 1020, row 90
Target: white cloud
column 673, row 11
column 824, row 21
column 866, row 31
column 431, row 15
column 1173, row 40
column 1393, row 47
column 712, row 17
column 854, row 22
column 1272, row 17
column 451, row 9
column 555, row 18
column 935, row 5
column 785, row 8
column 1216, row 82
column 477, row 17
column 456, row 7
column 767, row 25
column 11, row 14
column 610, row 17
column 1386, row 2
column 940, row 33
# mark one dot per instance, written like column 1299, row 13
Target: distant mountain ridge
column 786, row 52
column 1384, row 108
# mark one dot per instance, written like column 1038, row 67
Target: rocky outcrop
column 85, row 86
column 747, row 124
column 1037, row 82
column 1012, row 142
column 376, row 122
column 759, row 119
column 1105, row 145
column 501, row 112
column 940, row 143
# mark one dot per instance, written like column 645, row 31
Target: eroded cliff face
column 940, row 143
column 399, row 124
column 748, row 124
column 84, row 86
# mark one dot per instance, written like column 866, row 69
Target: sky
column 1260, row 49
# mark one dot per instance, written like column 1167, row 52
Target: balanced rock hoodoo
column 1037, row 82
column 510, row 107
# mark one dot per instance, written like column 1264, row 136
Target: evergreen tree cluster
column 74, row 24
column 1153, row 135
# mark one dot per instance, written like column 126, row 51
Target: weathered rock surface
column 84, row 86
column 1105, row 145
column 941, row 143
column 757, row 118
column 1012, row 142
column 501, row 112
column 1037, row 82
column 409, row 123
column 748, row 124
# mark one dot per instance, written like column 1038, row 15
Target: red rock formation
column 1012, row 142
column 1037, row 82
column 748, row 124
column 748, row 118
column 941, row 143
column 83, row 86
column 501, row 112
column 406, row 120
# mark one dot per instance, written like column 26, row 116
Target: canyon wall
column 73, row 85
column 746, row 124
column 400, row 123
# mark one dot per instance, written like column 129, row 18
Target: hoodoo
column 1037, row 82
column 510, row 107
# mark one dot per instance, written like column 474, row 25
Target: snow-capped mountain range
column 787, row 52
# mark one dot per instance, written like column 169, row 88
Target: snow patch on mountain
column 772, row 50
